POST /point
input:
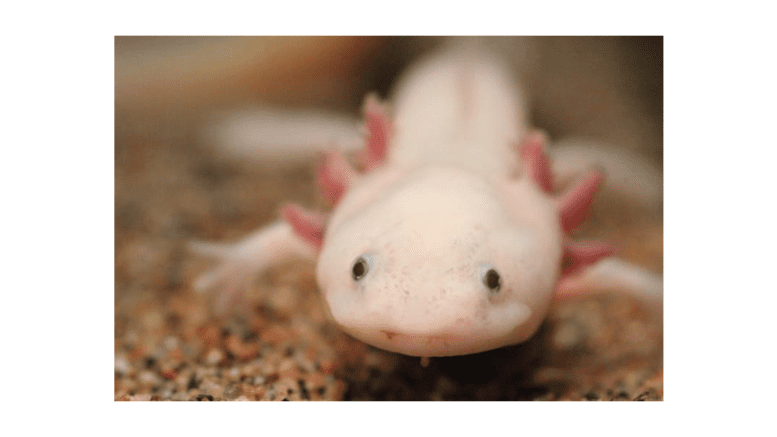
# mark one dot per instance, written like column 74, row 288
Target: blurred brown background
column 608, row 88
column 170, row 187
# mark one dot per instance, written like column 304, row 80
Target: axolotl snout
column 450, row 241
column 444, row 264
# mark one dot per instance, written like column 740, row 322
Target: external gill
column 573, row 205
column 335, row 175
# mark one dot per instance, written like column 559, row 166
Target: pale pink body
column 450, row 243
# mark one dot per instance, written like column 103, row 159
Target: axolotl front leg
column 240, row 262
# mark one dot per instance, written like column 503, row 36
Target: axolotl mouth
column 437, row 345
column 465, row 336
column 418, row 345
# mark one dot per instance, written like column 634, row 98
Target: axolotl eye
column 491, row 279
column 361, row 267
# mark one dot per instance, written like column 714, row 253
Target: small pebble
column 149, row 362
column 148, row 378
column 192, row 383
column 254, row 392
column 171, row 343
column 121, row 365
column 168, row 372
column 214, row 357
column 303, row 390
column 288, row 369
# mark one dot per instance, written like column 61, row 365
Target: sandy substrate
column 169, row 345
column 170, row 188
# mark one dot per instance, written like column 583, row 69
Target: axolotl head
column 440, row 262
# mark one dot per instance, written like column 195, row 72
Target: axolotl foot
column 240, row 262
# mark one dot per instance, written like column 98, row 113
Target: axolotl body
column 449, row 241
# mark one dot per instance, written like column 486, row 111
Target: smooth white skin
column 447, row 206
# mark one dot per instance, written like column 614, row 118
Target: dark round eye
column 492, row 280
column 359, row 269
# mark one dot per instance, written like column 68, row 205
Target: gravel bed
column 280, row 346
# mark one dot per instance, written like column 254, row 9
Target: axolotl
column 448, row 240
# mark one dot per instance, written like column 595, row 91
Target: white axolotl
column 449, row 242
